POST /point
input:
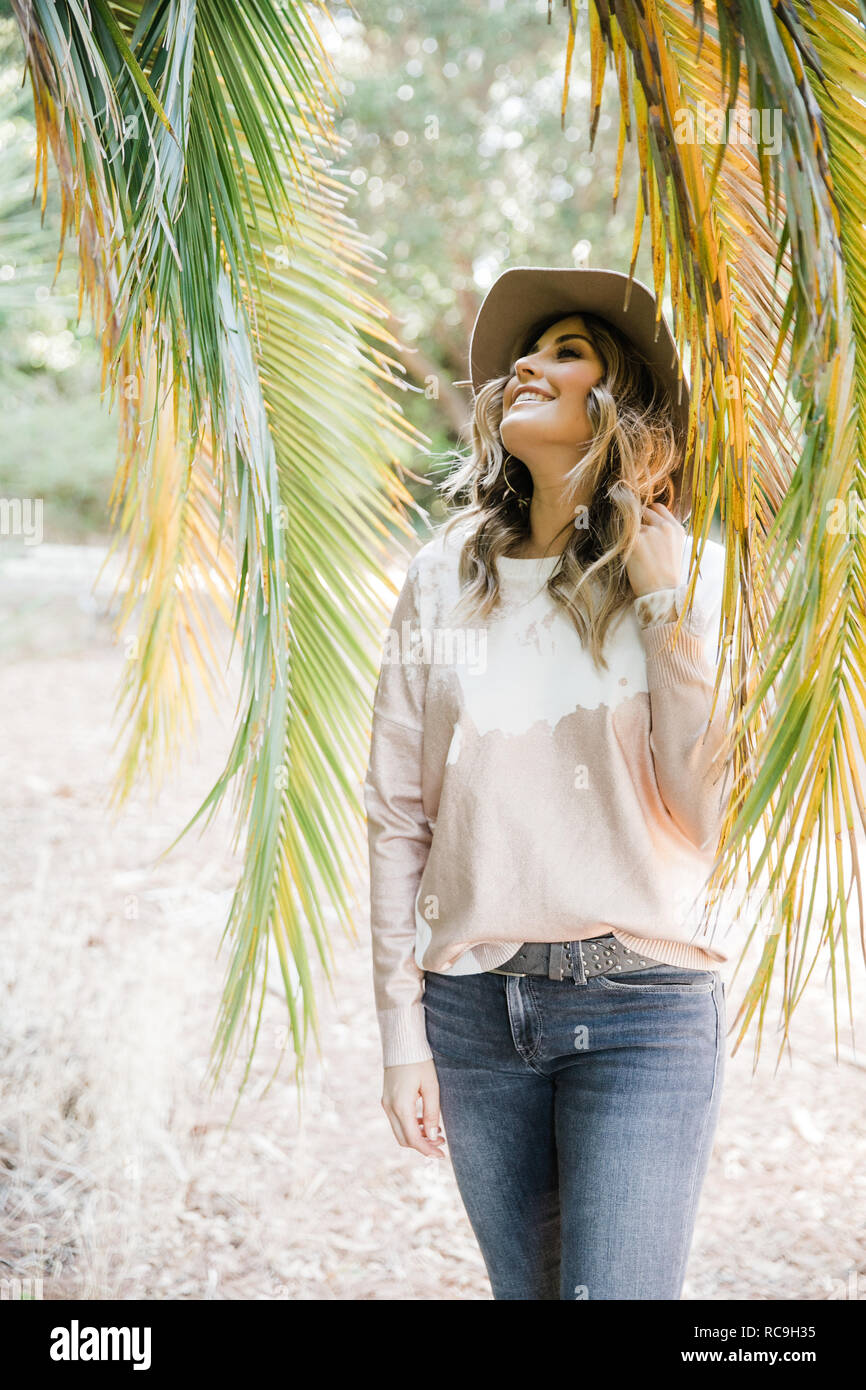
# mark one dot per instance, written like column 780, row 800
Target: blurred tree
column 57, row 444
column 41, row 339
column 463, row 167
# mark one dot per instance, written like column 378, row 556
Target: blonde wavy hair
column 637, row 446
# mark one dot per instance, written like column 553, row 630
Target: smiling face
column 544, row 403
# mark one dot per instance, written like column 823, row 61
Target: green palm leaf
column 241, row 340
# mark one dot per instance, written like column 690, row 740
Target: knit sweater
column 515, row 792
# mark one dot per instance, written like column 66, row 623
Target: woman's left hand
column 656, row 558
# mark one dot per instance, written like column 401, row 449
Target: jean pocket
column 664, row 979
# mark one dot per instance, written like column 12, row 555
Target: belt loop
column 578, row 970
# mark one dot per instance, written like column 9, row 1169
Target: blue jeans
column 580, row 1119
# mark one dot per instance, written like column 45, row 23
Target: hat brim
column 525, row 295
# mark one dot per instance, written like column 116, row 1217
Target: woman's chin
column 521, row 436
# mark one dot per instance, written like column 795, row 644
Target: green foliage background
column 59, row 441
column 459, row 166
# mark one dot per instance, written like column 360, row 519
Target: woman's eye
column 575, row 352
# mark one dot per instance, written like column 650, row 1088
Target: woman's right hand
column 400, row 1090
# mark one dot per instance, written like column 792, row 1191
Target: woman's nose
column 524, row 364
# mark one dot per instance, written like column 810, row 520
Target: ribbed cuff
column 669, row 665
column 404, row 1036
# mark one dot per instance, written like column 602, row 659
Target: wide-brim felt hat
column 525, row 295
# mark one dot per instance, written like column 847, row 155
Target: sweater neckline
column 534, row 568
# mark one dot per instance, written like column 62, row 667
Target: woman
column 547, row 781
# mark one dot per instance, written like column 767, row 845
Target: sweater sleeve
column 398, row 835
column 689, row 753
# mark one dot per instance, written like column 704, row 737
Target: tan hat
column 524, row 295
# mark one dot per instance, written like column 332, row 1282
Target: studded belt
column 577, row 960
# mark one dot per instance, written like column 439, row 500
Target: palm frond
column 762, row 247
column 251, row 364
column 303, row 734
column 176, row 584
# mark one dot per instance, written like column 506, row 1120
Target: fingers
column 396, row 1114
column 658, row 512
column 411, row 1130
column 430, row 1119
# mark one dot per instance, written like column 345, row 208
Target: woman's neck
column 550, row 523
column 547, row 536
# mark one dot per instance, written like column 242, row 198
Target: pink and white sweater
column 516, row 793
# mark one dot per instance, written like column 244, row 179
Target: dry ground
column 116, row 1177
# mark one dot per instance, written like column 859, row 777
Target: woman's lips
column 529, row 400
